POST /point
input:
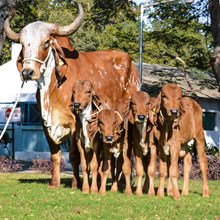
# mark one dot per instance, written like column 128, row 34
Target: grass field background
column 25, row 196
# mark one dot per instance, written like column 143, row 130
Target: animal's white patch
column 55, row 131
column 85, row 115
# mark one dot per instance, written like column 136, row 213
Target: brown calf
column 179, row 121
column 142, row 138
column 112, row 124
column 85, row 105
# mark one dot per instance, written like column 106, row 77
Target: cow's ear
column 60, row 57
column 181, row 109
column 19, row 61
column 125, row 114
column 56, row 46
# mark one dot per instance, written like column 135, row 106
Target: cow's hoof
column 184, row 193
column 151, row 193
column 139, row 193
column 85, row 190
column 128, row 191
column 53, row 186
column 176, row 196
column 102, row 193
column 94, row 190
column 160, row 193
column 114, row 188
column 205, row 193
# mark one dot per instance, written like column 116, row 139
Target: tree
column 7, row 9
column 214, row 9
column 177, row 32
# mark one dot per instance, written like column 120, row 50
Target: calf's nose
column 109, row 139
column 27, row 74
column 174, row 112
column 76, row 105
column 141, row 117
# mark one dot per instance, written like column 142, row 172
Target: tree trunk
column 214, row 9
column 7, row 8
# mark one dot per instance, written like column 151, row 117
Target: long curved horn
column 73, row 27
column 9, row 32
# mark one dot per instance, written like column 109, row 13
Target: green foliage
column 179, row 32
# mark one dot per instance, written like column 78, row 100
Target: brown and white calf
column 142, row 139
column 85, row 105
column 179, row 121
column 112, row 124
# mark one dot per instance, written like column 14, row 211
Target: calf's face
column 108, row 126
column 139, row 106
column 170, row 97
column 82, row 92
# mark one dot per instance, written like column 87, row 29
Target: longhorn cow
column 48, row 57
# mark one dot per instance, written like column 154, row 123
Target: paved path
column 27, row 168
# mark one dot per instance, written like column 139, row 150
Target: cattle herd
column 94, row 98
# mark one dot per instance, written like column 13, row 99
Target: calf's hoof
column 139, row 193
column 185, row 193
column 94, row 190
column 102, row 192
column 53, row 186
column 205, row 193
column 128, row 191
column 151, row 193
column 176, row 196
column 160, row 193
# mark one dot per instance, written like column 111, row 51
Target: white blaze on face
column 84, row 117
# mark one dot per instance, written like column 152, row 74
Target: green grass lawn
column 25, row 196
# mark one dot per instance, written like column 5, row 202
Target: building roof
column 193, row 83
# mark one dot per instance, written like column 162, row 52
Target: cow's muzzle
column 108, row 139
column 76, row 105
column 27, row 74
column 141, row 118
column 174, row 112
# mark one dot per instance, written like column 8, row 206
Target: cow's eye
column 46, row 45
column 163, row 96
column 73, row 92
column 89, row 92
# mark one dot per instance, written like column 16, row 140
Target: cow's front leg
column 162, row 172
column 114, row 187
column 94, row 164
column 56, row 161
column 187, row 166
column 139, row 169
column 106, row 169
column 126, row 168
column 84, row 167
column 173, row 171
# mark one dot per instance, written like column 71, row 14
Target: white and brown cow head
column 38, row 43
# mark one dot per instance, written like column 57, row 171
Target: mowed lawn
column 25, row 196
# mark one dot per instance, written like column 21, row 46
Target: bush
column 45, row 165
column 213, row 172
column 9, row 165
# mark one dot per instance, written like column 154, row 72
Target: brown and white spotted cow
column 179, row 121
column 48, row 57
column 85, row 106
column 142, row 139
column 112, row 124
